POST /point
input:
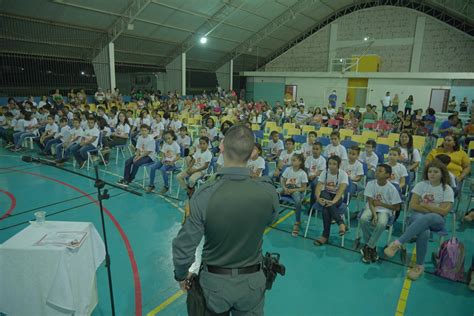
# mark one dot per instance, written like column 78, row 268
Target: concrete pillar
column 102, row 68
column 183, row 74
column 223, row 76
column 332, row 44
column 174, row 76
column 231, row 75
column 417, row 44
column 113, row 83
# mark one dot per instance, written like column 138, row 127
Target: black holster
column 272, row 267
column 195, row 302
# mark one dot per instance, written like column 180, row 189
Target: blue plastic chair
column 258, row 134
column 324, row 141
column 300, row 139
column 347, row 143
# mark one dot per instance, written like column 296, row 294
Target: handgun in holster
column 272, row 267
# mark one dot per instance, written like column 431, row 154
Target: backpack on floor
column 450, row 263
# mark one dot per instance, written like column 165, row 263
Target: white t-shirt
column 416, row 157
column 275, row 147
column 294, row 179
column 314, row 165
column 28, row 125
column 3, row 120
column 138, row 122
column 371, row 161
column 398, row 171
column 157, row 129
column 64, row 133
column 285, row 157
column 386, row 194
column 307, row 150
column 170, row 151
column 453, row 180
column 122, row 129
column 256, row 164
column 147, row 144
column 201, row 158
column 84, row 124
column 91, row 132
column 333, row 181
column 433, row 195
column 184, row 142
column 76, row 132
column 338, row 150
column 212, row 132
column 353, row 170
column 175, row 125
column 52, row 129
column 386, row 100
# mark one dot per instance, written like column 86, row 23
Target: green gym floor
column 329, row 280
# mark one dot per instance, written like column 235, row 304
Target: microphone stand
column 99, row 184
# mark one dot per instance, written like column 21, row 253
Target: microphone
column 37, row 160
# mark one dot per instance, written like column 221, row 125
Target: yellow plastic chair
column 294, row 131
column 191, row 121
column 470, row 148
column 360, row 139
column 394, row 136
column 255, row 127
column 289, row 125
column 419, row 143
column 370, row 135
column 346, row 133
column 307, row 128
column 325, row 131
column 440, row 141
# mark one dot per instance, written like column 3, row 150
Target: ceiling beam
column 272, row 26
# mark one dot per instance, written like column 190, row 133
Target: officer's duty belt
column 229, row 271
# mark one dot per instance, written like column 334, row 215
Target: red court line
column 136, row 276
column 12, row 205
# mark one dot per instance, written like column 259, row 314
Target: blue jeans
column 67, row 151
column 131, row 167
column 19, row 137
column 420, row 225
column 49, row 144
column 80, row 153
column 164, row 172
column 330, row 213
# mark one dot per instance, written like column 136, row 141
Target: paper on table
column 68, row 239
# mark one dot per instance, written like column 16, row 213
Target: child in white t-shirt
column 197, row 167
column 60, row 136
column 314, row 165
column 383, row 199
column 184, row 141
column 307, row 149
column 354, row 168
column 332, row 184
column 285, row 157
column 75, row 135
column 399, row 172
column 446, row 160
column 293, row 183
column 431, row 201
column 275, row 145
column 170, row 154
column 50, row 131
column 256, row 163
column 335, row 148
column 144, row 154
column 30, row 129
column 370, row 158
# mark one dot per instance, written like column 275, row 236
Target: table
column 50, row 279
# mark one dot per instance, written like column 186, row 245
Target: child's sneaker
column 149, row 188
column 164, row 190
column 122, row 182
column 415, row 272
column 366, row 255
column 374, row 256
column 392, row 249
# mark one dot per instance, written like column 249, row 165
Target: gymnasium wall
column 393, row 31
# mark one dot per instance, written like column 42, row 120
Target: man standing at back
column 231, row 213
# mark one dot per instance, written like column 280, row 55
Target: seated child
column 184, row 141
column 307, row 149
column 256, row 163
column 89, row 141
column 50, row 131
column 383, row 199
column 144, row 154
column 293, row 183
column 60, row 137
column 197, row 167
column 170, row 154
column 75, row 135
column 335, row 148
column 370, row 158
column 399, row 172
column 285, row 157
column 275, row 145
column 354, row 168
column 314, row 165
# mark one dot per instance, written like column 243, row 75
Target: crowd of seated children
column 383, row 200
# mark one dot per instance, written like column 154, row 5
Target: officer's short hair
column 238, row 143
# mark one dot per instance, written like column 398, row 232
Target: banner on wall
column 290, row 93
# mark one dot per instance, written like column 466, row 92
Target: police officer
column 231, row 213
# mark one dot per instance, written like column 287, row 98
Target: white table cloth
column 49, row 279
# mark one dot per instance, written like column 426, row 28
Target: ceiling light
column 366, row 38
column 83, row 73
column 203, row 40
